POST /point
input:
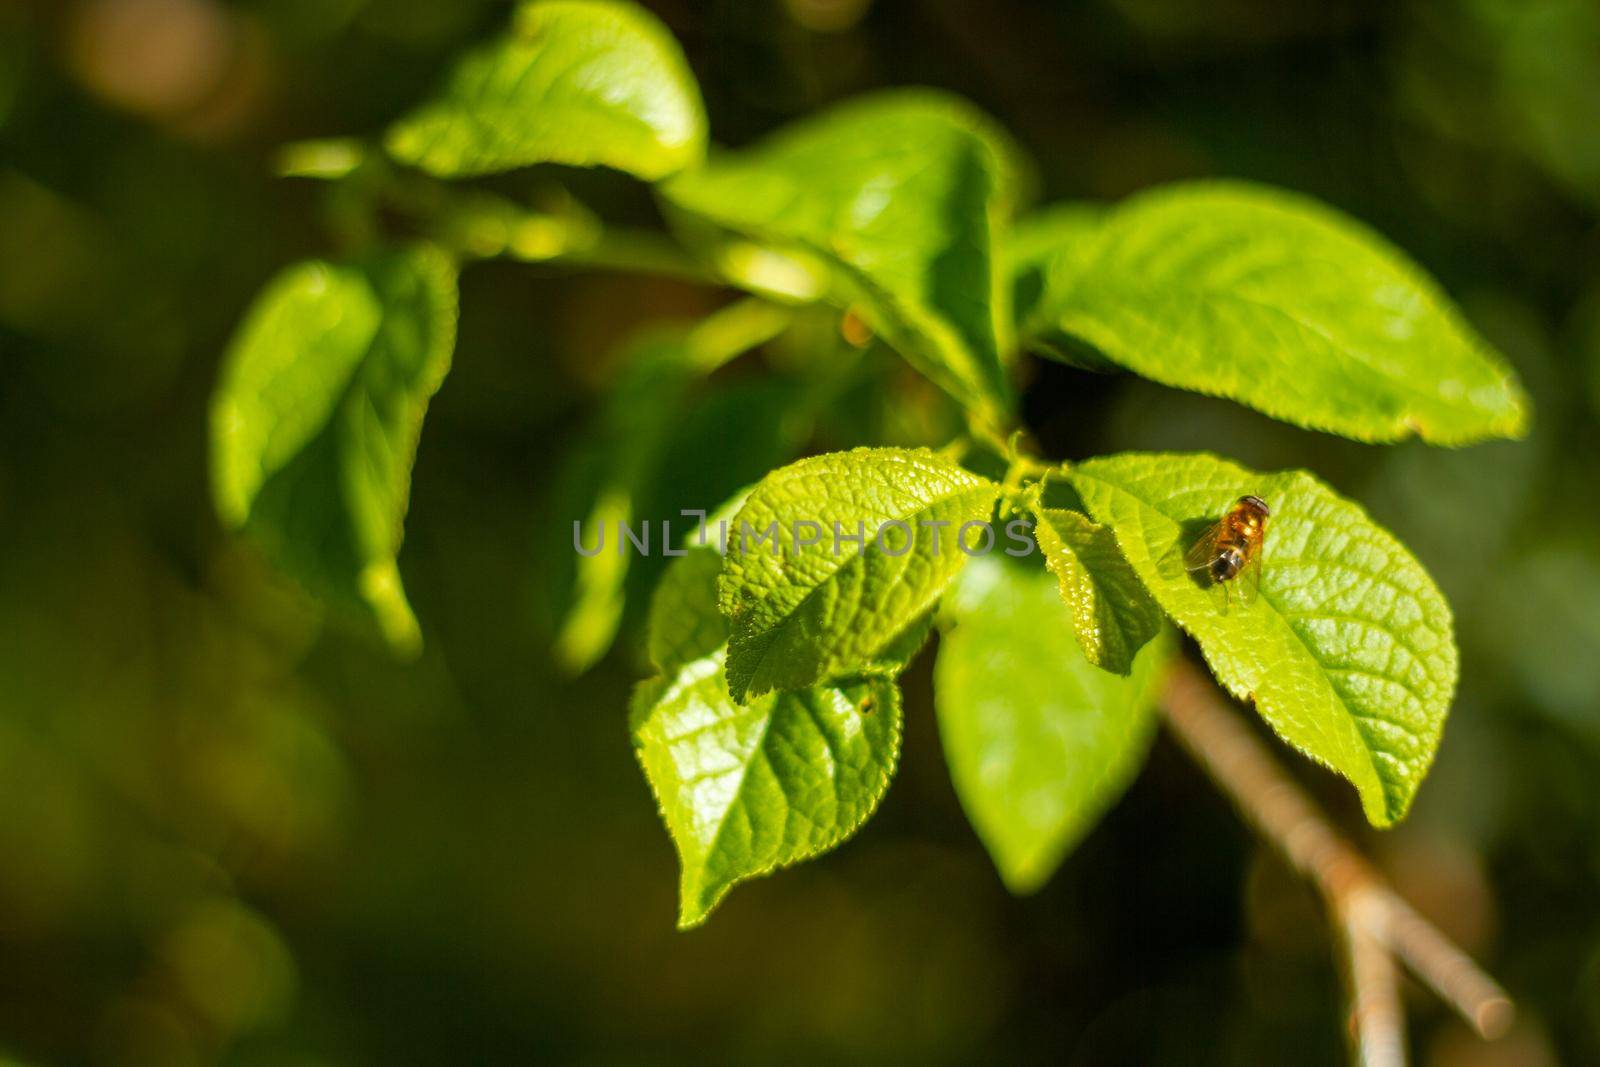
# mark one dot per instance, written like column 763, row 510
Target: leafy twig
column 1378, row 925
column 479, row 224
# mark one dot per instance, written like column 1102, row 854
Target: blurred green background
column 236, row 831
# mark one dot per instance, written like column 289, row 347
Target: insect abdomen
column 1228, row 563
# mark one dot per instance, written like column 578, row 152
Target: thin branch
column 1448, row 970
column 1377, row 1021
column 1375, row 920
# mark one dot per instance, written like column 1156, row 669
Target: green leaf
column 805, row 613
column 1061, row 232
column 901, row 193
column 617, row 459
column 642, row 423
column 748, row 789
column 1112, row 614
column 1040, row 742
column 1054, row 243
column 315, row 421
column 685, row 623
column 582, row 82
column 327, row 159
column 1283, row 304
column 892, row 659
column 1348, row 652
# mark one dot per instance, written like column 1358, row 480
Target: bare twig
column 1378, row 925
column 1377, row 1022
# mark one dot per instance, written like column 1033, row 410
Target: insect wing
column 1199, row 557
column 1248, row 582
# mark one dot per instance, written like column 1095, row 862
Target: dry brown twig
column 1377, row 926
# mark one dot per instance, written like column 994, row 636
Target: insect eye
column 1257, row 503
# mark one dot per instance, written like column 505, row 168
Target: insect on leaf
column 1348, row 653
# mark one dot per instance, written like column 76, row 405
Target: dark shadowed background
column 234, row 831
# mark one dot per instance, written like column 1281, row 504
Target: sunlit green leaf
column 745, row 789
column 583, row 82
column 1040, row 742
column 1283, row 304
column 315, row 421
column 1112, row 614
column 902, row 193
column 1348, row 651
column 802, row 613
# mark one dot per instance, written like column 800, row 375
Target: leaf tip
column 691, row 916
column 1024, row 877
column 380, row 587
column 1517, row 425
column 697, row 897
column 403, row 142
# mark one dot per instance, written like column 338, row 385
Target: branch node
column 1378, row 926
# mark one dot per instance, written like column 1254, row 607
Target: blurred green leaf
column 590, row 624
column 1040, row 741
column 1281, row 303
column 631, row 444
column 315, row 421
column 1064, row 232
column 327, row 159
column 1543, row 624
column 582, row 82
column 1348, row 652
column 619, row 457
column 1510, row 77
column 1112, row 615
column 901, row 193
column 802, row 614
column 1058, row 239
column 1474, row 502
column 745, row 789
column 685, row 624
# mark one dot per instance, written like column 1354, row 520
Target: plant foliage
column 772, row 726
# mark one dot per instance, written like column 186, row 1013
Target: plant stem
column 735, row 329
column 1374, row 918
column 1377, row 1021
column 483, row 225
column 642, row 251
